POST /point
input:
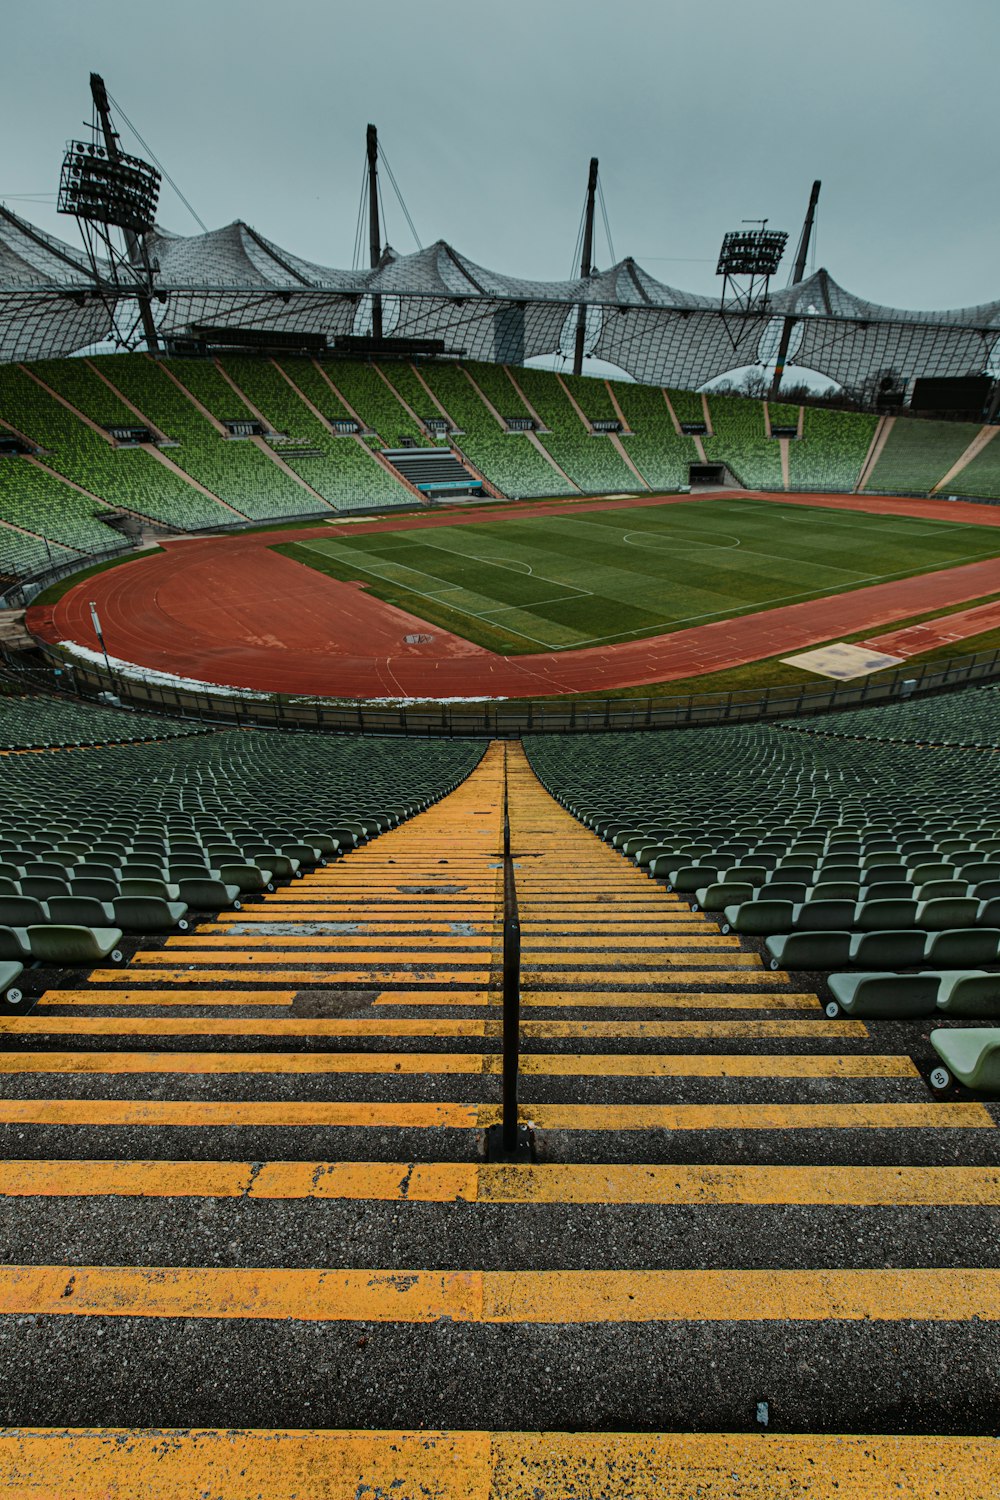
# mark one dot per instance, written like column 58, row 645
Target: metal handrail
column 511, row 981
column 497, row 719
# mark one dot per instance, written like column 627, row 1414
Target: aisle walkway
column 252, row 1248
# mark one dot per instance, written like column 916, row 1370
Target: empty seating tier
column 918, row 454
column 199, row 474
column 831, row 451
column 593, row 463
column 337, row 467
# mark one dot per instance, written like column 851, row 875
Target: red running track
column 230, row 611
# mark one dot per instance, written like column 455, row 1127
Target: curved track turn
column 230, row 611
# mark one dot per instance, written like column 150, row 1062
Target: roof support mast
column 374, row 235
column 134, row 246
column 797, row 274
column 586, row 265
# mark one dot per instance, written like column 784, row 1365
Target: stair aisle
column 251, row 1247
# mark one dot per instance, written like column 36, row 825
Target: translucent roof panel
column 239, row 278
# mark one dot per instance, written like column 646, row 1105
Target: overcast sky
column 702, row 114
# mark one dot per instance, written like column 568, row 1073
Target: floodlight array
column 754, row 252
column 122, row 191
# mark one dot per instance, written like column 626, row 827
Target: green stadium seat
column 14, row 943
column 970, row 1055
column 880, row 995
column 759, row 918
column 809, row 950
column 888, row 949
column 149, row 914
column 879, row 914
column 10, row 972
column 948, row 911
column 81, row 911
column 962, row 947
column 21, row 911
column 58, row 943
column 969, row 993
column 718, row 896
column 205, row 893
column 246, row 877
column 42, row 887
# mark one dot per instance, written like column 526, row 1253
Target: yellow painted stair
column 254, row 1249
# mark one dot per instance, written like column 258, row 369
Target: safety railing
column 509, row 1139
column 498, row 719
column 511, row 983
column 19, row 592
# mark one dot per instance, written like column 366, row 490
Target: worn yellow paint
column 626, row 1065
column 349, row 941
column 345, row 964
column 870, row 1294
column 368, row 928
column 377, row 1296
column 683, row 1184
column 449, row 1182
column 323, row 974
column 400, row 1026
column 735, row 1466
column 623, row 1000
column 93, row 1464
column 386, row 1114
column 241, row 1062
column 167, row 997
column 679, row 1030
column 930, row 1116
column 603, row 983
column 661, row 927
column 269, row 1026
column 631, row 951
column 661, row 969
column 424, row 1182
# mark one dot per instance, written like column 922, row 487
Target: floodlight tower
column 374, row 232
column 131, row 188
column 586, row 266
column 747, row 261
column 798, row 272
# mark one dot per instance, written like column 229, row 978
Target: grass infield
column 558, row 582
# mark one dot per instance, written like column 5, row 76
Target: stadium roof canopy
column 54, row 302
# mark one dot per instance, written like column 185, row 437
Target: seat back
column 948, row 911
column 80, row 911
column 879, row 915
column 21, row 911
column 823, row 916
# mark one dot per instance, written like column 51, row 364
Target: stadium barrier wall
column 495, row 718
column 18, row 594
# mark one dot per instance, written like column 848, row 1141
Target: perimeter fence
column 494, row 718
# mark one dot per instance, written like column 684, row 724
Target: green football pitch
column 555, row 582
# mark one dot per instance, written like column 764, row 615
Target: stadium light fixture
column 747, row 261
column 123, row 193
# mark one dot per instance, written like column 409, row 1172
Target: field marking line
column 436, row 595
column 536, row 603
column 666, row 627
column 833, row 568
column 734, row 541
column 447, row 588
column 501, row 563
column 871, row 519
column 772, row 557
column 719, row 616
